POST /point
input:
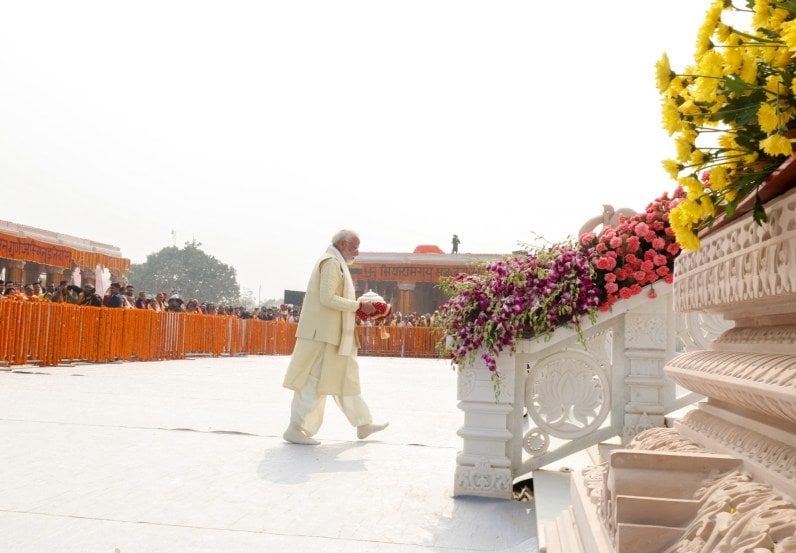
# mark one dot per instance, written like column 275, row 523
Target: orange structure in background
column 409, row 281
column 26, row 253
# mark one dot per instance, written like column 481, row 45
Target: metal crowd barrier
column 48, row 334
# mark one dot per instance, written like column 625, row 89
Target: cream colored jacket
column 320, row 331
column 324, row 305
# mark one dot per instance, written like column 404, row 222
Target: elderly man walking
column 324, row 361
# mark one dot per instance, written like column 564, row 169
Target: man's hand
column 367, row 307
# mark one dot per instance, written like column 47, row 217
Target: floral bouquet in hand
column 383, row 310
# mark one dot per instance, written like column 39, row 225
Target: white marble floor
column 187, row 456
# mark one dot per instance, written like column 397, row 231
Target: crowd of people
column 118, row 296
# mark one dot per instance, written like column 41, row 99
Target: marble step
column 561, row 535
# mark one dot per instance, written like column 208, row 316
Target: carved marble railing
column 564, row 395
column 724, row 478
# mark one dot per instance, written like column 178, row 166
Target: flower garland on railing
column 563, row 284
column 534, row 292
column 638, row 252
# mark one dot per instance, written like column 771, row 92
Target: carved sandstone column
column 724, row 479
column 747, row 273
column 55, row 275
column 406, row 297
column 649, row 342
column 16, row 272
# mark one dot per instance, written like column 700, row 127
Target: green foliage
column 189, row 272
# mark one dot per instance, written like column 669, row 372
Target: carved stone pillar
column 16, row 272
column 31, row 273
column 483, row 467
column 747, row 273
column 55, row 275
column 406, row 297
column 649, row 343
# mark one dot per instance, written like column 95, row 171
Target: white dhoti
column 306, row 410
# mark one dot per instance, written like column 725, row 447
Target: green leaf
column 759, row 213
column 735, row 84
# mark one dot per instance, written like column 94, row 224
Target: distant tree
column 247, row 299
column 272, row 302
column 189, row 272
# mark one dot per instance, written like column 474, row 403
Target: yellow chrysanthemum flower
column 750, row 157
column 693, row 188
column 676, row 86
column 748, row 72
column 698, row 209
column 732, row 61
column 683, row 228
column 672, row 117
column 782, row 58
column 767, row 118
column 672, row 167
column 718, row 103
column 727, row 141
column 708, row 115
column 687, row 239
column 699, row 158
column 762, row 13
column 684, row 147
column 718, row 178
column 777, row 19
column 682, row 216
column 689, row 134
column 774, row 85
column 710, row 71
column 776, row 145
column 789, row 34
column 707, row 206
column 689, row 108
column 708, row 27
column 723, row 32
column 766, row 55
column 663, row 73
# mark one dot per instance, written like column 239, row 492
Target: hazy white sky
column 259, row 128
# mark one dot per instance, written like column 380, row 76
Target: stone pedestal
column 483, row 466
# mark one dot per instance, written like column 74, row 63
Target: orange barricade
column 48, row 334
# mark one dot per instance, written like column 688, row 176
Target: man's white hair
column 343, row 234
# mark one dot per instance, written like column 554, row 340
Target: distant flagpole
column 174, row 238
